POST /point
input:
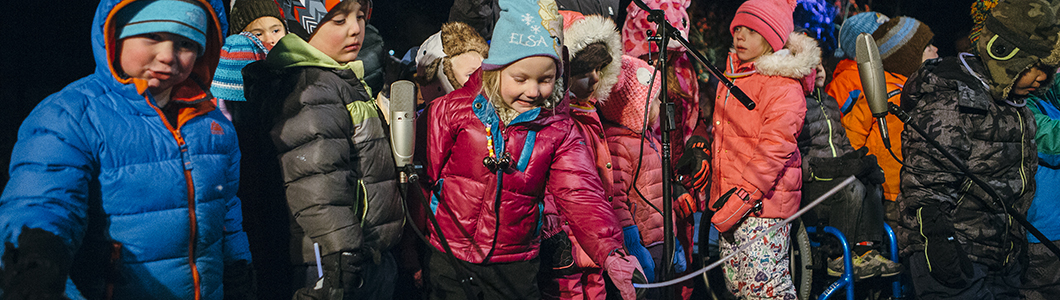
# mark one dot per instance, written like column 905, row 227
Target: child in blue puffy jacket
column 123, row 185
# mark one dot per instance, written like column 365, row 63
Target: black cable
column 643, row 132
column 1012, row 212
column 465, row 279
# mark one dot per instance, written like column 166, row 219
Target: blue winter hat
column 865, row 22
column 525, row 28
column 173, row 16
column 239, row 51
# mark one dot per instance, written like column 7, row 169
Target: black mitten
column 947, row 262
column 239, row 281
column 37, row 269
column 341, row 275
column 870, row 170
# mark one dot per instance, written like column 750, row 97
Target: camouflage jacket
column 995, row 140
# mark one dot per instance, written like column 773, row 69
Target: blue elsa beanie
column 172, row 16
column 525, row 28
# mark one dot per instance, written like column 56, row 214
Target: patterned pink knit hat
column 634, row 32
column 770, row 18
column 625, row 105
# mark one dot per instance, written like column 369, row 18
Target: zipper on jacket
column 193, row 230
column 1023, row 180
column 820, row 104
column 964, row 192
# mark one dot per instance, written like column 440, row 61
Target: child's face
column 1028, row 81
column 341, row 37
column 268, row 29
column 583, row 85
column 465, row 64
column 749, row 44
column 162, row 59
column 930, row 52
column 526, row 83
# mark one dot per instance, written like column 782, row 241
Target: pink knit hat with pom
column 625, row 105
column 770, row 18
column 634, row 32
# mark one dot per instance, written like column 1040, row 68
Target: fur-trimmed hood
column 592, row 29
column 798, row 59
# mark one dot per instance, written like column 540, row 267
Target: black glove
column 37, row 269
column 947, row 261
column 341, row 276
column 694, row 164
column 239, row 281
column 870, row 170
column 851, row 163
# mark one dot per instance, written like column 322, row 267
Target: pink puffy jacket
column 545, row 150
column 757, row 149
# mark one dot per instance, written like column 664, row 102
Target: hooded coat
column 545, row 150
column 1043, row 212
column 152, row 214
column 757, row 150
column 579, row 34
column 333, row 151
column 863, row 131
column 948, row 100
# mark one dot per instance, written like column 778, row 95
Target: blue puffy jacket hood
column 105, row 47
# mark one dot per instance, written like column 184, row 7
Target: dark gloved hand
column 947, row 261
column 871, row 170
column 631, row 236
column 37, row 269
column 341, row 275
column 848, row 164
column 695, row 163
column 239, row 281
column 684, row 204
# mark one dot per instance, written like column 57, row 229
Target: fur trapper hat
column 596, row 29
column 434, row 70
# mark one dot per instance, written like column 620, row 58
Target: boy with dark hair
column 338, row 173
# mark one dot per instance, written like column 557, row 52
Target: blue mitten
column 631, row 235
column 679, row 259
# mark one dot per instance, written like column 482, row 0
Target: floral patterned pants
column 762, row 271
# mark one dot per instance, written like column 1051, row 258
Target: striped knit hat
column 902, row 41
column 239, row 51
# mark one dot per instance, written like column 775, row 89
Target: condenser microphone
column 873, row 83
column 403, row 121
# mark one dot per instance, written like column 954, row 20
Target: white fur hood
column 799, row 58
column 592, row 29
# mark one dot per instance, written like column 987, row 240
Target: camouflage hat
column 1017, row 35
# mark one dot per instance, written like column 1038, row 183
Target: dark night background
column 46, row 44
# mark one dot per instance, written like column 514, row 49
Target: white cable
column 752, row 240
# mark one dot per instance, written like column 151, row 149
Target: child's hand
column 695, row 162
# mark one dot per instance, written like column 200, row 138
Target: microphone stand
column 664, row 33
column 1012, row 212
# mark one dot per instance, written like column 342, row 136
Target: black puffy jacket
column 333, row 151
column 995, row 139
